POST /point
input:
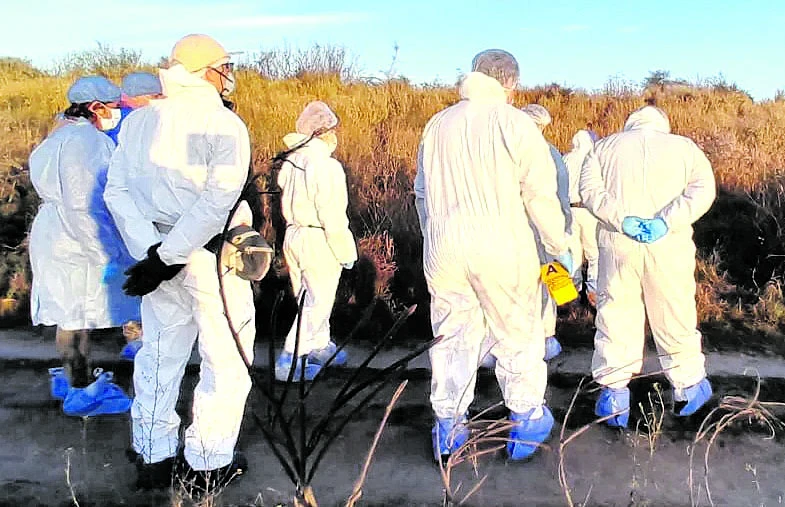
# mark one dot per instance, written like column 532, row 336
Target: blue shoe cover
column 448, row 435
column 58, row 382
column 552, row 348
column 284, row 364
column 528, row 433
column 612, row 401
column 102, row 397
column 695, row 396
column 321, row 356
column 130, row 349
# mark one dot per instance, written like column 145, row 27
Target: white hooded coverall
column 647, row 172
column 318, row 240
column 76, row 253
column 484, row 173
column 583, row 242
column 179, row 167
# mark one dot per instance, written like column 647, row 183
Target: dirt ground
column 41, row 451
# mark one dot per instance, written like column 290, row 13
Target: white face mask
column 110, row 123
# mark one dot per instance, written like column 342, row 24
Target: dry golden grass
column 379, row 133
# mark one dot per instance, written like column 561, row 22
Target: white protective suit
column 484, row 173
column 179, row 167
column 76, row 253
column 549, row 307
column 318, row 240
column 583, row 242
column 647, row 172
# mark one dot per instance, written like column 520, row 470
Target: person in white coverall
column 542, row 118
column 318, row 243
column 483, row 168
column 179, row 168
column 584, row 225
column 647, row 187
column 75, row 246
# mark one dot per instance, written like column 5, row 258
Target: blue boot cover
column 321, row 356
column 102, row 397
column 130, row 349
column 58, row 383
column 528, row 433
column 695, row 396
column 284, row 364
column 448, row 434
column 552, row 348
column 613, row 401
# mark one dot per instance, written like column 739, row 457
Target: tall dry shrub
column 379, row 134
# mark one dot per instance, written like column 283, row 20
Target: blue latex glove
column 644, row 230
column 655, row 228
column 565, row 260
column 632, row 227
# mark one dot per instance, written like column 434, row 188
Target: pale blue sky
column 577, row 43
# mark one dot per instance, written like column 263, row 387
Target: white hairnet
column 538, row 113
column 498, row 64
column 93, row 88
column 316, row 118
column 141, row 83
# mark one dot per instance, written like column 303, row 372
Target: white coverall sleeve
column 138, row 233
column 78, row 183
column 563, row 188
column 419, row 192
column 697, row 197
column 331, row 203
column 227, row 171
column 594, row 194
column 539, row 191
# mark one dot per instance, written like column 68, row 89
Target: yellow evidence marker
column 559, row 283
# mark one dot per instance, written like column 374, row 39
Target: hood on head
column 649, row 118
column 583, row 140
column 479, row 87
column 176, row 79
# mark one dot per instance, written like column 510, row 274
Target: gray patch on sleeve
column 212, row 149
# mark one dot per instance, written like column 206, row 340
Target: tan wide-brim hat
column 197, row 51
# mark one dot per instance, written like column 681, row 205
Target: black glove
column 146, row 275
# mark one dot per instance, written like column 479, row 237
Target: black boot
column 200, row 482
column 154, row 475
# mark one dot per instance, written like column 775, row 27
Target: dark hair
column 79, row 111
